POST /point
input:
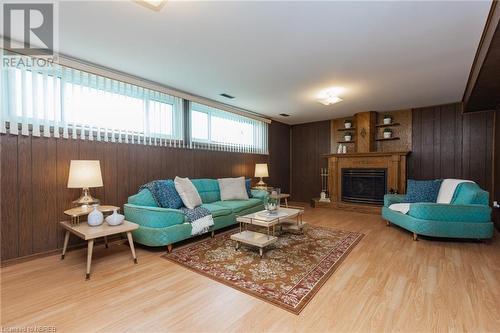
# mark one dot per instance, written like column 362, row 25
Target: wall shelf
column 347, row 129
column 388, row 125
column 388, row 139
column 346, row 141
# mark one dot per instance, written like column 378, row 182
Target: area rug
column 290, row 273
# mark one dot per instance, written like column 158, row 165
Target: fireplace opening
column 364, row 185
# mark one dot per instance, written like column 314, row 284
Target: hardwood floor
column 387, row 283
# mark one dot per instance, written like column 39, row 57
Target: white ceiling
column 276, row 56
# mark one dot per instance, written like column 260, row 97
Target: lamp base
column 86, row 199
column 261, row 183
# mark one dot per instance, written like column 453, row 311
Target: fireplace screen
column 362, row 185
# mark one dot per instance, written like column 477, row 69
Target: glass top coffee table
column 285, row 218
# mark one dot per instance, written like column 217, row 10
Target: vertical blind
column 69, row 103
column 216, row 129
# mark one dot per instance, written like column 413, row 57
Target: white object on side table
column 115, row 218
column 95, row 217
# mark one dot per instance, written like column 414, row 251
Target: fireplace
column 364, row 185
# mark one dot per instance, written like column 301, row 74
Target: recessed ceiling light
column 330, row 96
column 155, row 5
column 227, row 96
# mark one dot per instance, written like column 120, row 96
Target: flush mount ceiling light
column 155, row 5
column 330, row 96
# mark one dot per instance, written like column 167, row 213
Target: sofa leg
column 387, row 223
column 212, row 234
column 169, row 248
column 415, row 237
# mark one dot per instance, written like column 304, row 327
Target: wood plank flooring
column 387, row 283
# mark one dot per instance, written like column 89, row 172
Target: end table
column 88, row 233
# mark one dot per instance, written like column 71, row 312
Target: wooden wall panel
column 34, row 175
column 9, row 205
column 279, row 156
column 309, row 142
column 496, row 157
column 447, row 144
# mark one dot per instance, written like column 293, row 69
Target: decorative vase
column 347, row 125
column 387, row 135
column 387, row 121
column 347, row 138
column 95, row 217
column 344, row 149
column 115, row 218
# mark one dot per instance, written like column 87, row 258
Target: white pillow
column 232, row 189
column 187, row 192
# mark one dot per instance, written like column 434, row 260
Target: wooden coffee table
column 291, row 218
column 89, row 233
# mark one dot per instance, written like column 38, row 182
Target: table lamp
column 261, row 171
column 84, row 174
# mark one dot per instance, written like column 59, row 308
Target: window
column 213, row 127
column 79, row 100
column 72, row 103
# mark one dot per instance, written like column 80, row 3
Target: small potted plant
column 348, row 136
column 347, row 123
column 387, row 133
column 387, row 119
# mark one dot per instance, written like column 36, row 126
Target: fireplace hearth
column 364, row 185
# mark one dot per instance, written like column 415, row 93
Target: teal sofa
column 164, row 226
column 467, row 216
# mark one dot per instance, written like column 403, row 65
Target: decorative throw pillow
column 248, row 186
column 422, row 190
column 233, row 189
column 188, row 193
column 172, row 198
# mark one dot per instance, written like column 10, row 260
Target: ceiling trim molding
column 492, row 23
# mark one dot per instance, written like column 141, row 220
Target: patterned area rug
column 289, row 275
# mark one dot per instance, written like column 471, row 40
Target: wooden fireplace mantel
column 394, row 162
column 369, row 155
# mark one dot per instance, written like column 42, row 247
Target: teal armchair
column 467, row 216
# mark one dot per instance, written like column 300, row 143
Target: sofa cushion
column 217, row 210
column 232, row 189
column 470, row 193
column 248, row 186
column 238, row 205
column 208, row 189
column 187, row 192
column 422, row 190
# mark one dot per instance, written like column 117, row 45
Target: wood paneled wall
column 447, row 144
column 34, row 174
column 496, row 153
column 309, row 142
column 279, row 156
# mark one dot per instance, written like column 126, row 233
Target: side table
column 496, row 217
column 88, row 233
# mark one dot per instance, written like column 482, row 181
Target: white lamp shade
column 261, row 170
column 84, row 173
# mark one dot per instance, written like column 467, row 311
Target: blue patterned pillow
column 248, row 186
column 164, row 193
column 422, row 190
